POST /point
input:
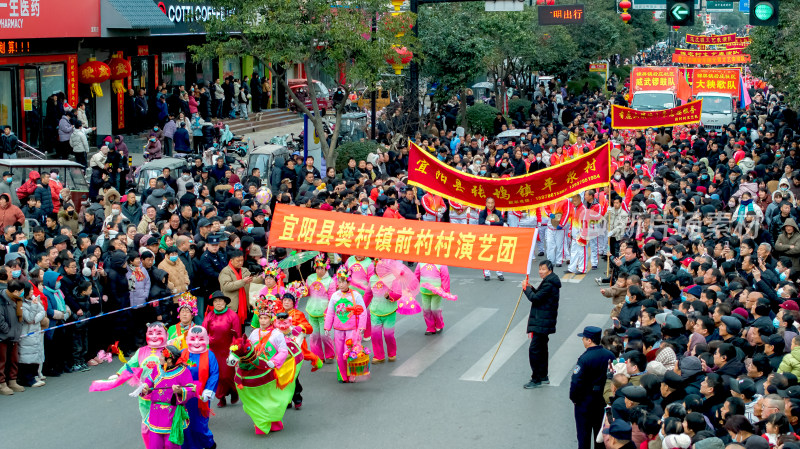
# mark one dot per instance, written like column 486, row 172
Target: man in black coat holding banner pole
column 542, row 321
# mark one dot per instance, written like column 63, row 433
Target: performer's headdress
column 189, row 301
column 321, row 261
column 272, row 269
column 343, row 274
column 268, row 305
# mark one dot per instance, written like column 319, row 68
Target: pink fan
column 438, row 291
column 406, row 303
column 404, row 285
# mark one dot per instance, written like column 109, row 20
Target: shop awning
column 133, row 15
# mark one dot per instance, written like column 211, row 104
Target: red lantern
column 398, row 61
column 625, row 17
column 676, row 28
column 625, row 5
column 550, row 2
column 94, row 72
column 120, row 70
column 540, row 2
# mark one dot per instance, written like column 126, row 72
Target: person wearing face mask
column 5, row 187
column 176, row 270
column 537, row 164
column 55, row 340
column 153, row 149
column 186, row 177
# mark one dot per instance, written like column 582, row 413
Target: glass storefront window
column 204, row 73
column 6, row 99
column 173, row 69
column 232, row 67
column 52, row 79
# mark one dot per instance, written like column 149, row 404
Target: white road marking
column 516, row 338
column 442, row 343
column 563, row 360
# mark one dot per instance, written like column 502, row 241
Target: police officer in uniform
column 586, row 387
column 211, row 263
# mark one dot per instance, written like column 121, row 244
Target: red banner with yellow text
column 627, row 118
column 716, row 80
column 709, row 57
column 530, row 191
column 471, row 246
column 711, row 40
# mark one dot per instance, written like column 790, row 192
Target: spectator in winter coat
column 10, row 330
column 182, row 140
column 131, row 209
column 32, row 211
column 174, row 267
column 788, row 243
column 44, row 194
column 8, row 143
column 31, row 348
column 65, row 129
column 153, row 148
column 27, row 189
column 80, row 145
column 5, row 187
column 9, row 213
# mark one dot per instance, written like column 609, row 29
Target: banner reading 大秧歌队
column 543, row 187
column 471, row 246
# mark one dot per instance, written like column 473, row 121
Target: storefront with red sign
column 39, row 41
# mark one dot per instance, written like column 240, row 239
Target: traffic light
column 764, row 13
column 680, row 13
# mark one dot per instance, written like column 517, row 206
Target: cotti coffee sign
column 188, row 18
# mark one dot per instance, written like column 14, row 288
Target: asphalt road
column 431, row 397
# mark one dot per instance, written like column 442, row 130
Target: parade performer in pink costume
column 361, row 268
column 223, row 326
column 267, row 366
column 347, row 317
column 204, row 368
column 434, row 283
column 320, row 288
column 143, row 363
column 383, row 314
column 168, row 389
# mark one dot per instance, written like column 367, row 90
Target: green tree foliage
column 334, row 36
column 461, row 42
column 775, row 52
column 357, row 150
column 480, row 118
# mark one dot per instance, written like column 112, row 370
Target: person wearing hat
column 203, row 230
column 586, row 385
column 619, row 435
column 672, row 388
column 223, row 326
column 211, row 264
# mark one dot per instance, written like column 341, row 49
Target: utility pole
column 373, row 95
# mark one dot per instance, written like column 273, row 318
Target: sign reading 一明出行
column 560, row 14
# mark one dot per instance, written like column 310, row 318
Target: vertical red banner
column 72, row 80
